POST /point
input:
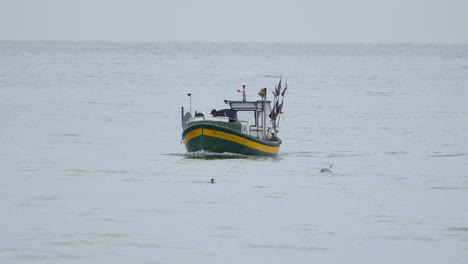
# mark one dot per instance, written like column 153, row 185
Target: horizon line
column 238, row 42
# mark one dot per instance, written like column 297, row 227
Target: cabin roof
column 246, row 105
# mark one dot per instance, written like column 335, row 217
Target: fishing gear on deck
column 277, row 105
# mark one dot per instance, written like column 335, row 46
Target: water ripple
column 447, row 155
column 285, row 247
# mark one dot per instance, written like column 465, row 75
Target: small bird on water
column 326, row 170
column 213, row 181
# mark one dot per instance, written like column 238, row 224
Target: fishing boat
column 246, row 127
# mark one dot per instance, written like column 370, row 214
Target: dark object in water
column 213, row 181
column 326, row 170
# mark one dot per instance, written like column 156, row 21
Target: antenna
column 244, row 97
column 190, row 96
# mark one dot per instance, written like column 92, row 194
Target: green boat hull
column 222, row 137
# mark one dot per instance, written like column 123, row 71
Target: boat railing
column 208, row 118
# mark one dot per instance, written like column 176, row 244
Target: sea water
column 92, row 169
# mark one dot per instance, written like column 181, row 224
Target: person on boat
column 214, row 112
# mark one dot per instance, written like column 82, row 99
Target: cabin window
column 248, row 116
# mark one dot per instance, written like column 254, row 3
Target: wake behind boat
column 247, row 127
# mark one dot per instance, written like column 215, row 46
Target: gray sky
column 322, row 21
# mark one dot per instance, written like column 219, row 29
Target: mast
column 264, row 115
column 244, row 97
column 263, row 95
column 190, row 96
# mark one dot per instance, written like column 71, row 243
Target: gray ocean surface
column 92, row 169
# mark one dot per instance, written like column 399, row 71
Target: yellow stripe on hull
column 230, row 137
column 193, row 134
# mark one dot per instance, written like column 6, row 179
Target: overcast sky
column 321, row 21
